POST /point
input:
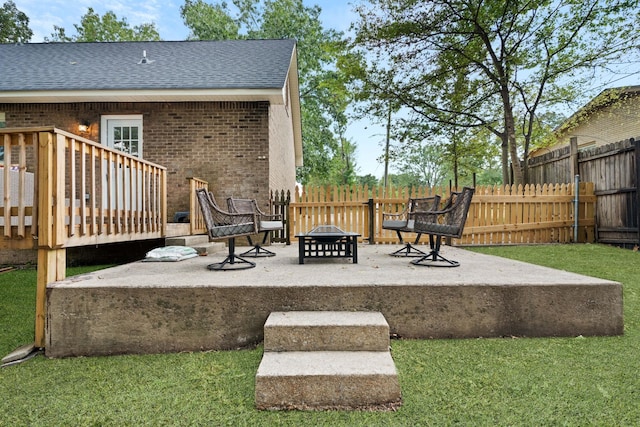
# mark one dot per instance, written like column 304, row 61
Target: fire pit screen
column 328, row 241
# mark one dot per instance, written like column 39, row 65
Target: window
column 123, row 132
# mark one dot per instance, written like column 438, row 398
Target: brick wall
column 224, row 143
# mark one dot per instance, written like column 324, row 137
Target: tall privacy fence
column 613, row 170
column 499, row 215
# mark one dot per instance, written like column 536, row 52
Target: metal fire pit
column 328, row 241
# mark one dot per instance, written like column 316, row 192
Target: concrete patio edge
column 172, row 307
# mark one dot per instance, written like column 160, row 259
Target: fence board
column 613, row 170
column 497, row 215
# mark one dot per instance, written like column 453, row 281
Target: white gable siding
column 282, row 168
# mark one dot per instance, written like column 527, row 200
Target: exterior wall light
column 84, row 126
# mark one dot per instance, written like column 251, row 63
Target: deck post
column 51, row 258
column 51, row 267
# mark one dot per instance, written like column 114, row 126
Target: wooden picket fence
column 498, row 215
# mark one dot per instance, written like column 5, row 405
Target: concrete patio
column 181, row 306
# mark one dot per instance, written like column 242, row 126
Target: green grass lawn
column 509, row 381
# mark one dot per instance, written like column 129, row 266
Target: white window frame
column 104, row 129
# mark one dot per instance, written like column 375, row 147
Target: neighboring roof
column 603, row 99
column 36, row 70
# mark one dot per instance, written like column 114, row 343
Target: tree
column 405, row 179
column 328, row 155
column 209, row 22
column 424, row 162
column 492, row 64
column 368, row 180
column 14, row 24
column 108, row 28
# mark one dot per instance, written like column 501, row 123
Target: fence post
column 287, row 223
column 573, row 153
column 576, row 207
column 372, row 222
column 636, row 146
column 279, row 205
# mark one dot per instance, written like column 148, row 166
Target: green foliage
column 209, row 22
column 497, row 65
column 488, row 177
column 106, row 28
column 368, row 180
column 405, row 179
column 328, row 156
column 504, row 381
column 424, row 163
column 14, row 24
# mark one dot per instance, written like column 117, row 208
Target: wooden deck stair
column 326, row 360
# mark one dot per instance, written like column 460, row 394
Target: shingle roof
column 229, row 64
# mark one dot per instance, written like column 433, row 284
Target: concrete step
column 197, row 239
column 199, row 242
column 326, row 331
column 327, row 380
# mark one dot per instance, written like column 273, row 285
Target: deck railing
column 196, row 220
column 64, row 190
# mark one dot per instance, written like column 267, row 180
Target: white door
column 123, row 133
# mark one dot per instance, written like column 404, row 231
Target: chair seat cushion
column 393, row 224
column 271, row 225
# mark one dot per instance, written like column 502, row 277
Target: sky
column 336, row 14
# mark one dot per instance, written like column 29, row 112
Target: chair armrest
column 251, row 205
column 263, row 216
column 222, row 217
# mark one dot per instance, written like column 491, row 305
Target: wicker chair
column 226, row 225
column 266, row 224
column 448, row 222
column 403, row 222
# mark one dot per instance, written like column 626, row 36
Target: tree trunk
column 510, row 138
column 505, row 160
column 515, row 161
